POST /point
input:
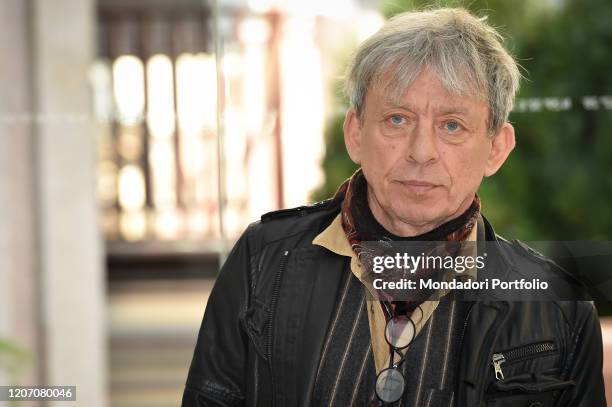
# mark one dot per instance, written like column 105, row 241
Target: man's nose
column 421, row 144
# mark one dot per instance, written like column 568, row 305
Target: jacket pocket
column 527, row 390
column 524, row 353
column 526, row 376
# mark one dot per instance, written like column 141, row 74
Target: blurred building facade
column 209, row 115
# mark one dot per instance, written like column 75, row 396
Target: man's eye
column 452, row 126
column 397, row 119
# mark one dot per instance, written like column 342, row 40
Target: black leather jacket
column 276, row 293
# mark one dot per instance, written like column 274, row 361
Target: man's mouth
column 418, row 187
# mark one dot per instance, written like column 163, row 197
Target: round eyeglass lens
column 390, row 385
column 400, row 331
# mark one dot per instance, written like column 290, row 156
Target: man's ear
column 352, row 135
column 501, row 146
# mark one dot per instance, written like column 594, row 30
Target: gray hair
column 465, row 52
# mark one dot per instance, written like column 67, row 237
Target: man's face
column 424, row 157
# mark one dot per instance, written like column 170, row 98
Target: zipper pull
column 498, row 359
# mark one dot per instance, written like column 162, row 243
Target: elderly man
column 290, row 321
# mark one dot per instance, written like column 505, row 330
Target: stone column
column 71, row 260
column 18, row 246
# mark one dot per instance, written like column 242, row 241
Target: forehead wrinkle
column 394, row 93
column 395, row 85
column 455, row 110
column 451, row 109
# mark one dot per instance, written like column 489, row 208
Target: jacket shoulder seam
column 298, row 210
column 263, row 243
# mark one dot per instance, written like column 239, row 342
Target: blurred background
column 138, row 138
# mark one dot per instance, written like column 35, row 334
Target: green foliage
column 557, row 184
column 13, row 359
column 559, row 175
column 337, row 167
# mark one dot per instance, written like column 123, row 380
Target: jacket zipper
column 523, row 352
column 465, row 324
column 491, row 336
column 273, row 302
